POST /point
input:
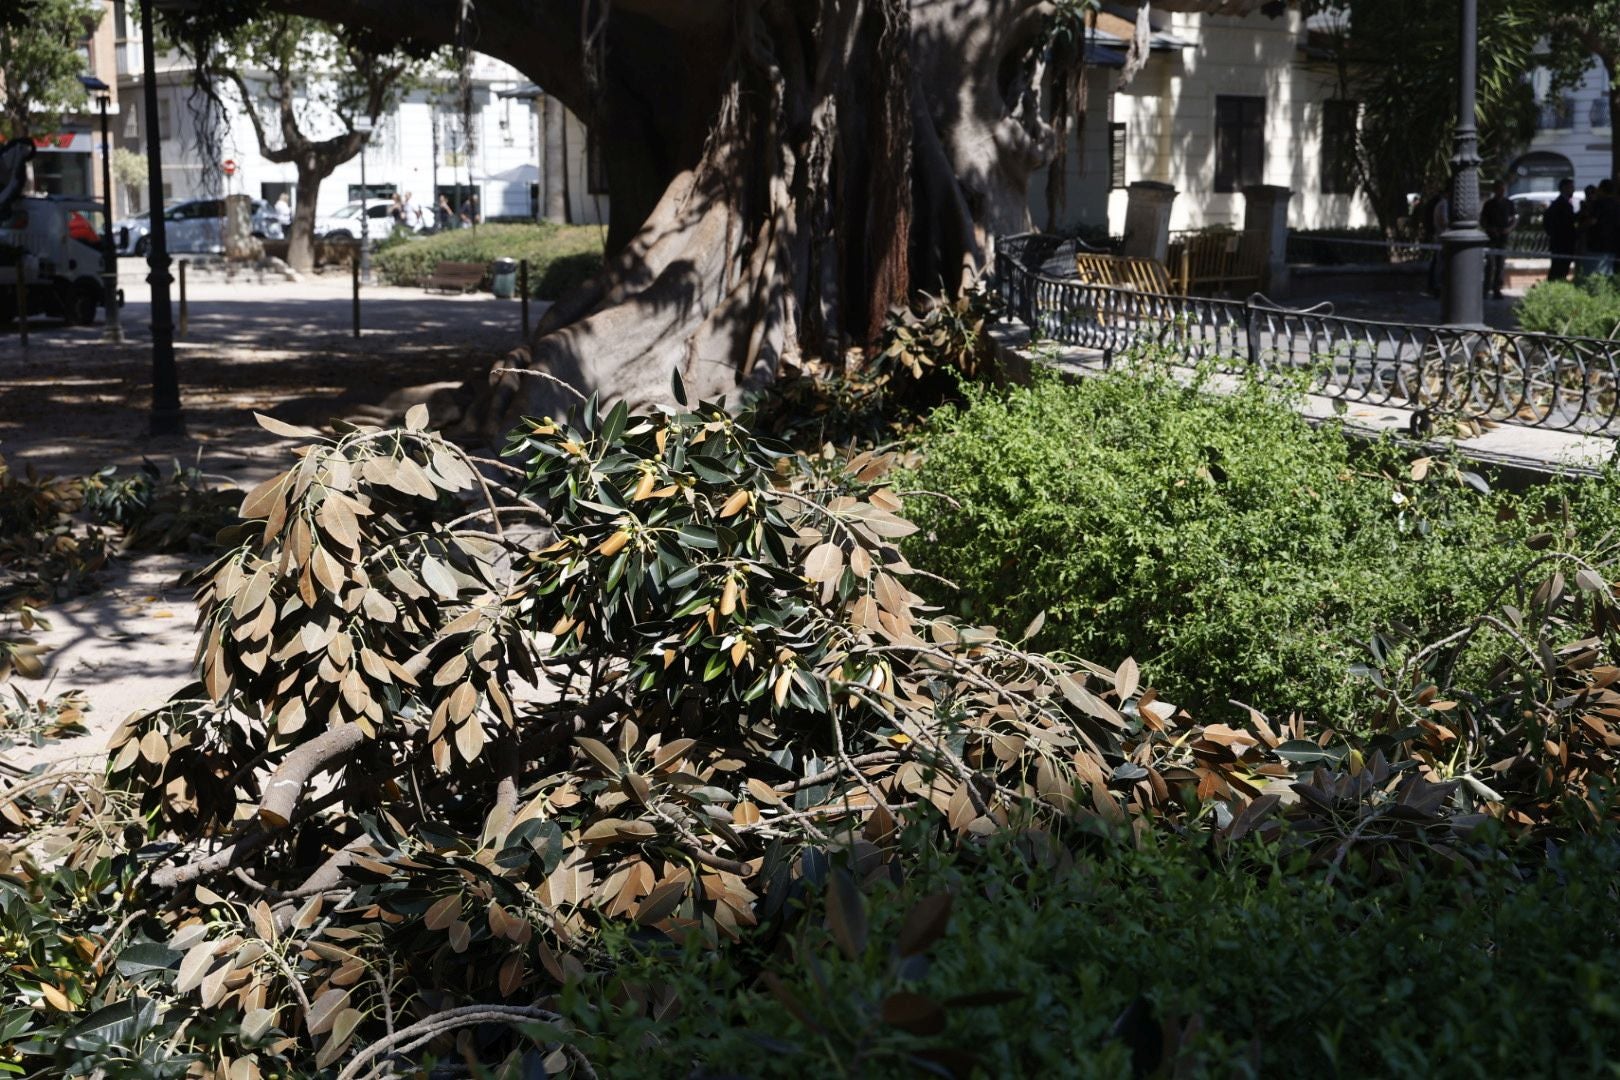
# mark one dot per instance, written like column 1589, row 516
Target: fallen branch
column 422, row 1032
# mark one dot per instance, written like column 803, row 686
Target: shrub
column 1019, row 959
column 1232, row 549
column 560, row 256
column 1590, row 308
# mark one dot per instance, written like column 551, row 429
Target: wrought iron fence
column 1531, row 380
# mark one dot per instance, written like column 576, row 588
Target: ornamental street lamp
column 1463, row 244
column 166, row 417
column 363, row 127
column 112, row 333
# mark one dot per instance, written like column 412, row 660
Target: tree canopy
column 41, row 61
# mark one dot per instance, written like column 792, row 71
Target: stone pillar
column 1147, row 219
column 1265, row 223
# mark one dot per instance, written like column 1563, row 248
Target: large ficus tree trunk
column 782, row 172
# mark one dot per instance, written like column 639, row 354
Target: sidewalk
column 69, row 403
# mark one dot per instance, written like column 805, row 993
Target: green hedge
column 560, row 256
column 1232, row 549
column 1159, row 961
column 1589, row 309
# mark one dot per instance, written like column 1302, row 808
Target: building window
column 595, row 165
column 1556, row 114
column 1240, row 142
column 1339, row 121
column 1116, row 156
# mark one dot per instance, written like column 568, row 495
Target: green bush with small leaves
column 561, row 257
column 1235, row 551
column 1590, row 308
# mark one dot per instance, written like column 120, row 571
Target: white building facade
column 1574, row 136
column 423, row 146
column 1223, row 102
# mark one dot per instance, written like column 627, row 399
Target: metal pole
column 112, row 333
column 22, row 301
column 185, row 309
column 523, row 291
column 355, row 269
column 1463, row 243
column 365, row 217
column 166, row 417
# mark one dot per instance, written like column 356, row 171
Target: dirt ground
column 70, row 404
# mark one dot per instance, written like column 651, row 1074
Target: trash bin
column 503, row 278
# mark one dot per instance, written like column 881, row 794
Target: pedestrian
column 1604, row 239
column 1558, row 222
column 1498, row 217
column 283, row 211
column 396, row 211
column 469, row 211
column 1435, row 222
column 443, row 214
column 414, row 219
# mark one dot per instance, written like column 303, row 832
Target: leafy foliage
column 1590, row 308
column 561, row 257
column 636, row 750
column 1234, row 550
column 1105, row 959
column 1400, row 63
column 42, row 62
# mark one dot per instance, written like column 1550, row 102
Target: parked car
column 1532, row 204
column 191, row 225
column 344, row 224
column 130, row 233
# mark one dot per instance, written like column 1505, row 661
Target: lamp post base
column 1463, row 255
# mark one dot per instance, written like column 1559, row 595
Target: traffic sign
column 229, row 167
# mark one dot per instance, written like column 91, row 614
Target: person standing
column 283, row 211
column 1604, row 240
column 1498, row 218
column 1558, row 222
column 414, row 219
column 444, row 214
column 1438, row 221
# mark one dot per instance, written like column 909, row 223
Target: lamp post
column 363, row 127
column 1463, row 243
column 112, row 333
column 167, row 417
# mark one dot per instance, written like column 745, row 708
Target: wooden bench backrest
column 1126, row 271
column 448, row 269
column 1217, row 262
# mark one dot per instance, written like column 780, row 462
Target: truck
column 52, row 243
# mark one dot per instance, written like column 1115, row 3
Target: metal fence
column 1532, row 380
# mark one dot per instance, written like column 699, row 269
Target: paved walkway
column 69, row 403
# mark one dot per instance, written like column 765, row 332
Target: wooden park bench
column 1123, row 271
column 1211, row 263
column 457, row 277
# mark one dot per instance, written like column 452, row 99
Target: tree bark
column 301, row 232
column 556, row 200
column 781, row 172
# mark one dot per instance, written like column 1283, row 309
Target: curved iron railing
column 1505, row 376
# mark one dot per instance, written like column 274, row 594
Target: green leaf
column 145, row 957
